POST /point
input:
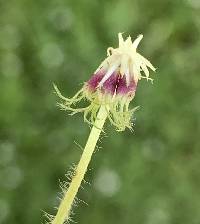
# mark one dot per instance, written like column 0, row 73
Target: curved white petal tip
column 137, row 41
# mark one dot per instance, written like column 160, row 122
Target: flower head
column 113, row 84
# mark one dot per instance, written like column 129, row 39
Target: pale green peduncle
column 64, row 209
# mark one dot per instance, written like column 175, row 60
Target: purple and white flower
column 113, row 84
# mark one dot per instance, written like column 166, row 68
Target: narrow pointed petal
column 137, row 41
column 145, row 69
column 109, row 73
column 147, row 62
column 121, row 40
column 127, row 75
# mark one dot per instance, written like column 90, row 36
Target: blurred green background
column 151, row 176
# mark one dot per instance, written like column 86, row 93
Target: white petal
column 124, row 64
column 128, row 41
column 109, row 73
column 137, row 41
column 145, row 69
column 127, row 75
column 109, row 51
column 136, row 72
column 148, row 63
column 121, row 40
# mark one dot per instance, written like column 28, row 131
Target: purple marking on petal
column 110, row 84
column 94, row 81
column 114, row 84
column 122, row 87
column 117, row 84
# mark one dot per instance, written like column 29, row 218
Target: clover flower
column 108, row 92
column 113, row 84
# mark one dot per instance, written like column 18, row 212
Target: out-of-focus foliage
column 151, row 176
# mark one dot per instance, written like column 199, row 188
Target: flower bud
column 113, row 84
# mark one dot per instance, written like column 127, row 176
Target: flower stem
column 64, row 209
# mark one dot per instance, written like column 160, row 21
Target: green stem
column 64, row 209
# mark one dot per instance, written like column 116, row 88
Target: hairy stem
column 63, row 212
